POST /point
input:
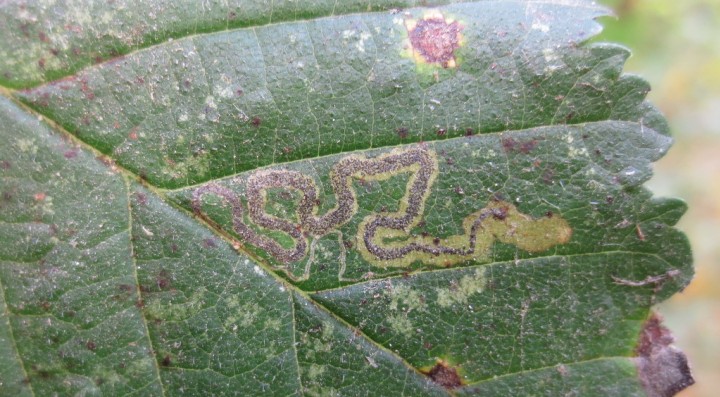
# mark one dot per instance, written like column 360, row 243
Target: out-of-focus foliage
column 676, row 46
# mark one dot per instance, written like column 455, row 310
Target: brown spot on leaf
column 141, row 198
column 44, row 374
column 162, row 280
column 436, row 40
column 166, row 361
column 663, row 369
column 5, row 165
column 511, row 145
column 402, row 132
column 547, row 176
column 85, row 88
column 209, row 243
column 499, row 213
column 91, row 345
column 444, row 375
column 640, row 233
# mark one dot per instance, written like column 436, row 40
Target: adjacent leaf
column 316, row 201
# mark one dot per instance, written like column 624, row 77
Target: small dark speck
column 209, row 243
column 141, row 198
column 402, row 132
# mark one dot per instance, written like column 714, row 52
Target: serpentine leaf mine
column 384, row 238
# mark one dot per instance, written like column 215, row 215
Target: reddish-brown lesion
column 444, row 375
column 435, row 40
column 662, row 368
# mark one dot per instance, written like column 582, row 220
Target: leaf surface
column 354, row 200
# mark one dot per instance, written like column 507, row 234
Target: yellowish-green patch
column 459, row 292
column 405, row 299
column 401, row 325
column 244, row 315
column 499, row 221
column 193, row 164
column 158, row 309
column 315, row 370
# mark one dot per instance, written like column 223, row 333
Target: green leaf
column 330, row 199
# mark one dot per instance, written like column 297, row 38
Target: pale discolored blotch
column 460, row 291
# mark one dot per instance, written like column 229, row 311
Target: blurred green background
column 676, row 47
